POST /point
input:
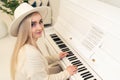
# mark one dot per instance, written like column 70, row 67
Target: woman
column 27, row 62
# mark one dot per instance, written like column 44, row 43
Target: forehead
column 36, row 16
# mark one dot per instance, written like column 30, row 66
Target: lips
column 39, row 32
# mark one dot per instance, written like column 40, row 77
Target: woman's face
column 36, row 25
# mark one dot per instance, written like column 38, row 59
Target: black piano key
column 88, row 77
column 77, row 63
column 56, row 39
column 72, row 58
column 81, row 69
column 85, row 73
column 53, row 35
column 62, row 46
column 59, row 42
column 70, row 54
column 66, row 49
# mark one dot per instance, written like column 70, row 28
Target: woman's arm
column 55, row 57
column 37, row 68
column 52, row 58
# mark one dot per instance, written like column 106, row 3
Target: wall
column 54, row 4
column 112, row 2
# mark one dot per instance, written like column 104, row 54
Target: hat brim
column 15, row 24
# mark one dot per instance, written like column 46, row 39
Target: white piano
column 89, row 30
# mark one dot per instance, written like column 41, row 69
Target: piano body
column 89, row 31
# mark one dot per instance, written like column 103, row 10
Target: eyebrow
column 35, row 21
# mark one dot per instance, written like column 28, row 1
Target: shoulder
column 30, row 50
column 28, row 46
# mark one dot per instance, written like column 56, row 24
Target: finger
column 75, row 66
column 65, row 53
column 75, row 71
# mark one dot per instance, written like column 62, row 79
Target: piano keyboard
column 83, row 72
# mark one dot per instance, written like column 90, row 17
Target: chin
column 39, row 36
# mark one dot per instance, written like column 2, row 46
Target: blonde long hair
column 24, row 37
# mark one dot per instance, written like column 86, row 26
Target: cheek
column 42, row 28
column 33, row 31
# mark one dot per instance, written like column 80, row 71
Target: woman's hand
column 72, row 69
column 63, row 54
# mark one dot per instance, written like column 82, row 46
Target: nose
column 40, row 26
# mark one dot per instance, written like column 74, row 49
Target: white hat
column 21, row 12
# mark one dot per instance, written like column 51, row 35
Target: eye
column 41, row 21
column 33, row 24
